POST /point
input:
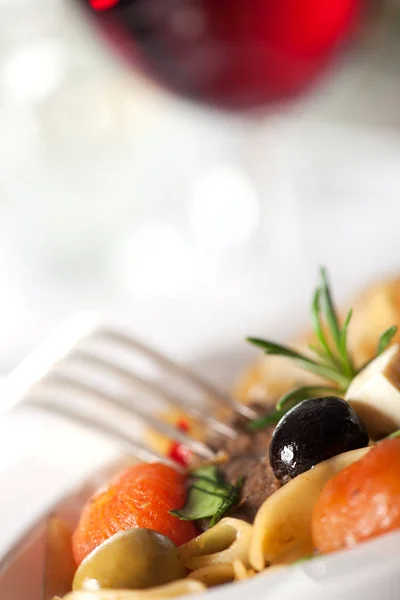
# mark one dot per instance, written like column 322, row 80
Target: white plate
column 46, row 458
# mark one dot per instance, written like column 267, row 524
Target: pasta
column 240, row 570
column 229, row 540
column 182, row 587
column 214, row 574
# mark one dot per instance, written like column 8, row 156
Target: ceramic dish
column 64, row 458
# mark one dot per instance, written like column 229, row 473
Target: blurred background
column 193, row 224
column 184, row 167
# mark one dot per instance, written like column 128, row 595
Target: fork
column 84, row 347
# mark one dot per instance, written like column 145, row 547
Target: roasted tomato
column 140, row 497
column 361, row 502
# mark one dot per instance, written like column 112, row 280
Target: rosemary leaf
column 276, row 349
column 333, row 362
column 329, row 308
column 317, row 326
column 347, row 362
column 318, row 351
column 301, row 393
column 269, row 419
column 386, row 338
column 303, row 361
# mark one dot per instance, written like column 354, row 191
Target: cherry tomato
column 361, row 502
column 140, row 497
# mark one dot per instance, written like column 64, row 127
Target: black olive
column 313, row 431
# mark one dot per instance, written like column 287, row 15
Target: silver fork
column 83, row 348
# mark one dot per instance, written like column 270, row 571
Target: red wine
column 234, row 54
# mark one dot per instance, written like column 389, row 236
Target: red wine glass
column 232, row 54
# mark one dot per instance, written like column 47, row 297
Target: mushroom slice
column 375, row 393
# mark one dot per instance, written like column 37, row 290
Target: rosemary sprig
column 303, row 361
column 288, row 401
column 269, row 419
column 333, row 361
column 386, row 338
column 323, row 350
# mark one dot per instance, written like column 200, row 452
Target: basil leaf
column 207, row 472
column 233, row 500
column 201, row 503
column 209, row 496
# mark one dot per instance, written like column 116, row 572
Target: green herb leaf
column 394, row 435
column 386, row 338
column 333, row 361
column 301, row 393
column 329, row 307
column 288, row 401
column 209, row 472
column 209, row 496
column 276, row 349
column 303, row 361
column 269, row 419
column 348, row 364
column 231, row 501
column 325, row 351
column 318, row 351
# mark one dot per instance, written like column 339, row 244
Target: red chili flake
column 179, row 452
column 183, row 425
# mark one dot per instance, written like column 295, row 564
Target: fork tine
column 128, row 444
column 89, row 357
column 52, row 349
column 174, row 367
column 124, row 404
column 64, row 345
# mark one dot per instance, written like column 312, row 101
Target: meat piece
column 259, row 483
column 248, row 459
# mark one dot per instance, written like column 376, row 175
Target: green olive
column 131, row 559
